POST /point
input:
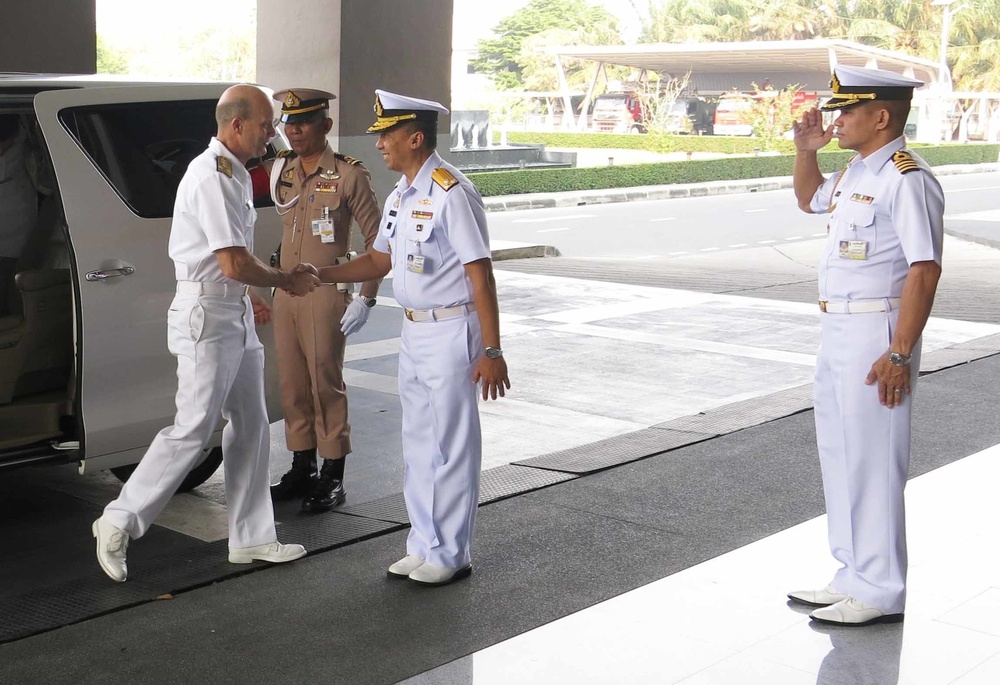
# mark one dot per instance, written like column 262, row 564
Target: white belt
column 235, row 290
column 859, row 306
column 438, row 314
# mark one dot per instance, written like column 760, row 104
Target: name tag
column 415, row 263
column 854, row 249
column 324, row 229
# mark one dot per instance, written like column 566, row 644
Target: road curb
column 509, row 203
column 978, row 239
column 525, row 252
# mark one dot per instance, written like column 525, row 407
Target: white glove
column 355, row 317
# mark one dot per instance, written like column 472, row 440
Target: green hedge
column 650, row 142
column 695, row 171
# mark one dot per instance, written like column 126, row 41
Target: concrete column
column 49, row 36
column 352, row 47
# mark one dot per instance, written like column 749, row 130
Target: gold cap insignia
column 292, row 100
column 378, row 106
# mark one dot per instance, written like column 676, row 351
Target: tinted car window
column 143, row 149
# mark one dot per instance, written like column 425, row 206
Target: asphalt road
column 689, row 226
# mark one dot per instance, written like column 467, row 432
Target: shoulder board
column 345, row 158
column 290, row 154
column 444, row 178
column 904, row 162
column 224, row 166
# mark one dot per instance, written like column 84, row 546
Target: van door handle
column 104, row 274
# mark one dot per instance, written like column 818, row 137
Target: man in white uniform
column 433, row 238
column 877, row 280
column 220, row 361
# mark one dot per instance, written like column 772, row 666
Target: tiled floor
column 726, row 621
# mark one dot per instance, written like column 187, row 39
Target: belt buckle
column 822, row 305
column 409, row 314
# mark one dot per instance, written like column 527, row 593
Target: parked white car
column 85, row 375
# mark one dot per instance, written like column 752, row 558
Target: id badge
column 324, row 229
column 854, row 249
column 415, row 263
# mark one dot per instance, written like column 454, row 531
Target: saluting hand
column 493, row 374
column 809, row 132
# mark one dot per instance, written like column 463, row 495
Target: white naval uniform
column 220, row 362
column 894, row 219
column 442, row 440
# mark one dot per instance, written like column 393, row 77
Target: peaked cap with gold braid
column 392, row 109
column 301, row 104
column 854, row 85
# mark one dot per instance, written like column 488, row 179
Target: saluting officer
column 433, row 238
column 318, row 192
column 877, row 280
column 220, row 361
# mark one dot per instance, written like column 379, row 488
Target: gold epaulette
column 345, row 158
column 905, row 162
column 224, row 166
column 282, row 154
column 444, row 178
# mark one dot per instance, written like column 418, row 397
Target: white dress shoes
column 405, row 566
column 853, row 612
column 274, row 552
column 817, row 598
column 111, row 545
column 429, row 574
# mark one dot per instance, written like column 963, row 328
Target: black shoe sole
column 459, row 574
column 887, row 618
column 319, row 509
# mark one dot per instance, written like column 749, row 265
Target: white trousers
column 864, row 451
column 442, row 440
column 220, row 372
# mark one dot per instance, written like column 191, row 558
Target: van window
column 143, row 148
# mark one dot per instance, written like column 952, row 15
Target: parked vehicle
column 85, row 375
column 733, row 113
column 618, row 113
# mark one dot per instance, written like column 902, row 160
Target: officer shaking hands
column 220, row 360
column 319, row 193
column 877, row 280
column 433, row 238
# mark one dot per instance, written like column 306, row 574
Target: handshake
column 301, row 280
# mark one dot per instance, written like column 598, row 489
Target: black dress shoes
column 328, row 491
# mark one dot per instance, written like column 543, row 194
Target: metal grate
column 614, row 451
column 509, row 480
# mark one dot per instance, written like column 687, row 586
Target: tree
column 111, row 60
column 503, row 58
column 772, row 113
column 658, row 97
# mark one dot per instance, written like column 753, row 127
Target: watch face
column 494, row 352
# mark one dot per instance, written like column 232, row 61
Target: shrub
column 694, row 171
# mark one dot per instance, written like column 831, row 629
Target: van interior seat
column 36, row 349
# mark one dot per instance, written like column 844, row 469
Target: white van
column 85, row 375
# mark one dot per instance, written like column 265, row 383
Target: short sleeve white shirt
column 213, row 210
column 893, row 218
column 446, row 228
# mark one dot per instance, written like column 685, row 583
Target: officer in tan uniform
column 318, row 192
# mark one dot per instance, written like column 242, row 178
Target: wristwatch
column 494, row 352
column 898, row 359
column 367, row 301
